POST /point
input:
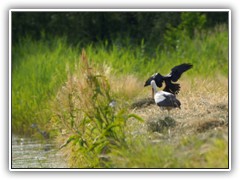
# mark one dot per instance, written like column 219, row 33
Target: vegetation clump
column 159, row 125
column 88, row 114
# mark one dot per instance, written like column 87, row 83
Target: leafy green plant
column 87, row 111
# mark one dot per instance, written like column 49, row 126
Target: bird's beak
column 152, row 93
column 148, row 82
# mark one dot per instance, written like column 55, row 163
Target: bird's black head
column 148, row 82
column 157, row 78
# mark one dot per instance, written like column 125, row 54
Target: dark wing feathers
column 169, row 101
column 177, row 71
column 174, row 75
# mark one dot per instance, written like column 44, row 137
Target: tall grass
column 92, row 121
column 38, row 70
column 208, row 51
column 74, row 100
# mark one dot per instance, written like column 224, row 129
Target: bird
column 173, row 76
column 165, row 100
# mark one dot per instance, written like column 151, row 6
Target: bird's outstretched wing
column 157, row 77
column 174, row 75
column 177, row 71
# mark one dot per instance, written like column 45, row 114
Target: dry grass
column 204, row 108
column 127, row 87
column 203, row 114
column 195, row 136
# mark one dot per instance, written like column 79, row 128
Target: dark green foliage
column 95, row 27
column 190, row 23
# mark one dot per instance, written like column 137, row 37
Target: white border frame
column 121, row 10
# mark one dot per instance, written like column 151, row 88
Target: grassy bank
column 38, row 71
column 70, row 96
column 95, row 135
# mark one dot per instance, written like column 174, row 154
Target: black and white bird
column 173, row 76
column 165, row 100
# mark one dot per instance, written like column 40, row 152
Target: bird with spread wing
column 173, row 76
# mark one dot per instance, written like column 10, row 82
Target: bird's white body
column 162, row 95
column 164, row 99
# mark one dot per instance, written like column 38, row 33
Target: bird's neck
column 153, row 93
column 154, row 87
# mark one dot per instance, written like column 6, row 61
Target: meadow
column 67, row 91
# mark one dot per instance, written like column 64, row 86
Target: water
column 28, row 153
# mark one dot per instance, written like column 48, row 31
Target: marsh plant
column 89, row 117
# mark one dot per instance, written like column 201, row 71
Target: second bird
column 173, row 76
column 165, row 100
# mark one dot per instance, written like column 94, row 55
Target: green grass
column 39, row 68
column 49, row 88
column 208, row 51
column 102, row 137
column 38, row 71
column 190, row 152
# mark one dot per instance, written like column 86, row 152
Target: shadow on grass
column 142, row 103
column 160, row 124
